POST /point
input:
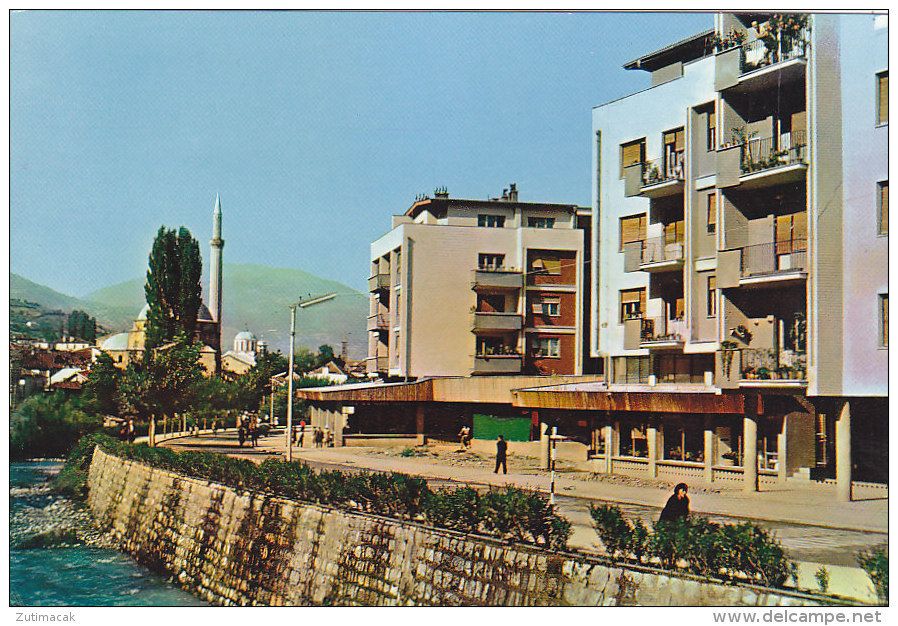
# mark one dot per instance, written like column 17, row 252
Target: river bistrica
column 57, row 557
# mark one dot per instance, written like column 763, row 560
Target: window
column 541, row 222
column 673, row 232
column 884, row 320
column 791, row 233
column 543, row 265
column 712, row 296
column 631, row 153
column 632, row 303
column 548, row 307
column 491, row 221
column 632, row 229
column 712, row 129
column 882, row 98
column 883, row 201
column 546, row 347
column 487, row 261
column 674, row 147
column 712, row 212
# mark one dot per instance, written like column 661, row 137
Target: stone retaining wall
column 240, row 548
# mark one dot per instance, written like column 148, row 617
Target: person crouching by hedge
column 677, row 506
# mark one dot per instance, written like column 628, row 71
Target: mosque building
column 127, row 346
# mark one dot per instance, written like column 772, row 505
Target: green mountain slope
column 256, row 297
column 108, row 314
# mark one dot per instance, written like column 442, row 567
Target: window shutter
column 712, row 211
column 680, row 308
column 883, row 115
column 884, row 207
column 553, row 266
column 642, row 300
column 799, row 126
column 632, row 229
column 631, row 295
column 680, row 142
column 800, row 231
column 783, row 234
column 631, row 154
column 712, row 120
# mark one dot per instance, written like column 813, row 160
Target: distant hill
column 108, row 315
column 256, row 298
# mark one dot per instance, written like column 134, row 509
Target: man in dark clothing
column 501, row 447
column 677, row 506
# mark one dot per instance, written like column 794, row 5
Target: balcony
column 662, row 333
column 659, row 255
column 764, row 265
column 379, row 282
column 377, row 363
column 773, row 60
column 502, row 322
column 497, row 364
column 761, row 367
column 663, row 177
column 753, row 163
column 378, row 322
column 496, row 279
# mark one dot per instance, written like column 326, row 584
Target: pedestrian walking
column 677, row 506
column 330, row 439
column 131, row 433
column 254, row 431
column 501, row 448
column 241, row 432
column 463, row 436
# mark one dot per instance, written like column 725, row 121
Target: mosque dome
column 119, row 341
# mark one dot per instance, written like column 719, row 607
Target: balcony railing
column 379, row 281
column 377, row 363
column 497, row 364
column 772, row 50
column 497, row 321
column 378, row 322
column 769, row 152
column 662, row 330
column 659, row 250
column 770, row 364
column 496, row 278
column 774, row 257
column 660, row 171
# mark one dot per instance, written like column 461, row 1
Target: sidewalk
column 813, row 504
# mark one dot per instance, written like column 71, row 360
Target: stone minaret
column 217, row 244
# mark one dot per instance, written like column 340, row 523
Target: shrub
column 876, row 563
column 514, row 514
column 744, row 551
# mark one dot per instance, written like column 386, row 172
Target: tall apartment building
column 740, row 226
column 461, row 287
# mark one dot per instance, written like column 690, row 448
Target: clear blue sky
column 314, row 127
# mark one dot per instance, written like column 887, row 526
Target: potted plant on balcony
column 728, row 348
column 763, row 373
column 749, row 373
column 652, row 175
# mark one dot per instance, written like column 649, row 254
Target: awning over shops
column 658, row 399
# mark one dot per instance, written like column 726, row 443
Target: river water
column 58, row 558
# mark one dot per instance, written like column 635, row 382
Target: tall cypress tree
column 173, row 288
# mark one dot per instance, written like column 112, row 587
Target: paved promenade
column 804, row 504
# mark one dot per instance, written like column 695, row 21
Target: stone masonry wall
column 233, row 547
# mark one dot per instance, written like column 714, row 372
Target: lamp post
column 302, row 303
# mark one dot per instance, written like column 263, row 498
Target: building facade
column 483, row 287
column 740, row 224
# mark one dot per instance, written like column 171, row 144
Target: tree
column 101, row 388
column 82, row 326
column 173, row 289
column 255, row 384
column 48, row 426
column 164, row 383
column 304, row 359
column 325, row 354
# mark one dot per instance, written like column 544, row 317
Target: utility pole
column 302, row 303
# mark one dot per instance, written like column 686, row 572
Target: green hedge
column 736, row 551
column 876, row 563
column 511, row 514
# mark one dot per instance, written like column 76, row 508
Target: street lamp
column 302, row 303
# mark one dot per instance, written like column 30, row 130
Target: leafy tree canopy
column 173, row 289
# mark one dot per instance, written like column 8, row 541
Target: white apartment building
column 461, row 287
column 740, row 229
